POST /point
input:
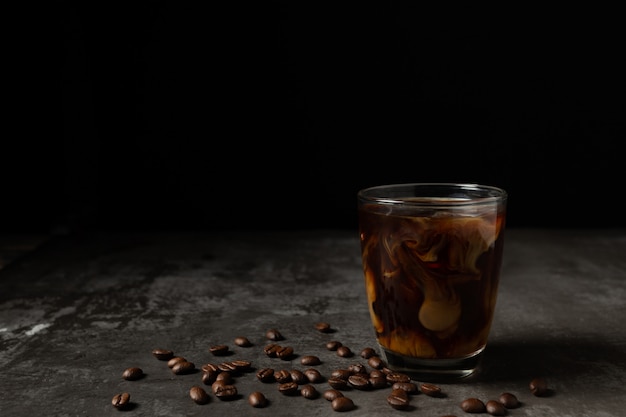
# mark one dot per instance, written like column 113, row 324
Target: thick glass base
column 433, row 370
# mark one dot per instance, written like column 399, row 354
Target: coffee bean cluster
column 221, row 377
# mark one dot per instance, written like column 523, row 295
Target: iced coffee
column 431, row 259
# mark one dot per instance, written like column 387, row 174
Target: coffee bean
column 273, row 334
column 285, row 353
column 341, row 373
column 378, row 382
column 323, row 327
column 271, row 349
column 241, row 365
column 224, row 377
column 310, row 360
column 398, row 399
column 209, row 377
column 331, row 394
column 431, row 390
column 357, row 368
column 225, row 392
column 163, row 354
column 338, row 383
column 219, row 350
column 344, row 352
column 257, row 399
column 121, row 401
column 375, row 373
column 217, row 385
column 298, row 376
column 359, row 381
column 210, row 367
column 183, row 367
column 282, row 376
column 375, row 362
column 333, row 345
column 409, row 387
column 538, row 387
column 342, row 404
column 288, row 388
column 309, row 391
column 199, row 395
column 495, row 408
column 226, row 367
column 473, row 405
column 509, row 400
column 368, row 352
column 132, row 374
column 173, row 361
column 313, row 375
column 242, row 341
column 398, row 377
column 265, row 375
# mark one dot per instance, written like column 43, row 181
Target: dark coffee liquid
column 431, row 280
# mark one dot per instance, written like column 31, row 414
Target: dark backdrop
column 150, row 116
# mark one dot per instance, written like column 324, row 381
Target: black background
column 273, row 115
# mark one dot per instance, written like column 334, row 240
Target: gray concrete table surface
column 80, row 309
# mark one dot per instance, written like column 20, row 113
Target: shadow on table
column 565, row 358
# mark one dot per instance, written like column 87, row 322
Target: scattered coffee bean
column 431, row 390
column 226, row 367
column 538, row 387
column 209, row 377
column 273, row 334
column 313, row 375
column 344, row 351
column 357, row 368
column 241, row 365
column 219, row 350
column 309, row 391
column 375, row 362
column 173, row 361
column 288, row 388
column 509, row 400
column 397, row 377
column 298, row 376
column 368, row 352
column 341, row 373
column 257, row 399
column 265, row 375
column 163, row 354
column 378, row 381
column 398, row 399
column 210, row 367
column 495, row 408
column 331, row 394
column 271, row 349
column 183, row 367
column 224, row 377
column 225, row 392
column 121, row 401
column 217, row 385
column 473, row 405
column 282, row 376
column 132, row 374
column 242, row 341
column 359, row 381
column 409, row 387
column 285, row 353
column 333, row 345
column 310, row 360
column 342, row 404
column 323, row 327
column 198, row 395
column 338, row 383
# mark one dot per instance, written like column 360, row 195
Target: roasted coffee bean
column 323, row 327
column 163, row 354
column 217, row 385
column 473, row 405
column 225, row 392
column 344, row 351
column 398, row 377
column 175, row 360
column 257, row 399
column 509, row 400
column 398, row 399
column 288, row 388
column 198, row 395
column 341, row 373
column 285, row 353
column 273, row 334
column 378, row 382
column 209, row 377
column 342, row 404
column 333, row 345
column 132, row 374
column 309, row 391
column 338, row 383
column 375, row 362
column 226, row 367
column 219, row 350
column 210, row 367
column 409, row 387
column 331, row 394
column 241, row 365
column 282, row 376
column 225, row 377
column 121, row 401
column 183, row 367
column 242, row 341
column 357, row 368
column 359, row 381
column 538, row 387
column 265, row 375
column 431, row 390
column 368, row 352
column 310, row 360
column 298, row 376
column 375, row 373
column 313, row 375
column 271, row 349
column 495, row 408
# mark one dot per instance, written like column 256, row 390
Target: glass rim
column 397, row 194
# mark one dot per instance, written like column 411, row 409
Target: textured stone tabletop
column 79, row 310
